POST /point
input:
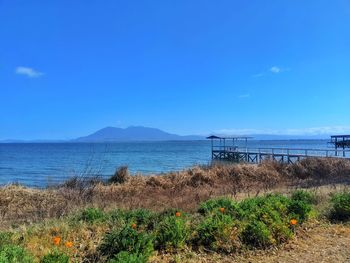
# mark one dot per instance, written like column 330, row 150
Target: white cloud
column 325, row 130
column 319, row 130
column 258, row 75
column 275, row 69
column 29, row 72
column 243, row 131
column 244, row 96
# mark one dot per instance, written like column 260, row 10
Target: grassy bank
column 220, row 226
column 183, row 190
column 203, row 214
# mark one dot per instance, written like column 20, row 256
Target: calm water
column 40, row 164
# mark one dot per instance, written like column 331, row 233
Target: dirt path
column 327, row 243
column 316, row 243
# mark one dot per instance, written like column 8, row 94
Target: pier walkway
column 256, row 155
column 283, row 155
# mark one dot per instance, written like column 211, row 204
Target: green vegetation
column 91, row 215
column 340, row 210
column 221, row 225
column 14, row 254
column 126, row 257
column 172, row 232
column 213, row 205
column 55, row 257
column 5, row 238
column 304, row 196
column 257, row 234
column 256, row 222
column 217, row 233
column 128, row 239
column 140, row 217
column 11, row 252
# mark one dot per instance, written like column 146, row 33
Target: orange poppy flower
column 293, row 222
column 133, row 225
column 56, row 240
column 177, row 214
column 68, row 244
column 222, row 209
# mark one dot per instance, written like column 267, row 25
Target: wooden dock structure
column 226, row 151
column 340, row 141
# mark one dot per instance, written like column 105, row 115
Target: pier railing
column 301, row 152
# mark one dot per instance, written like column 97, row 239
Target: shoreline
column 85, row 214
column 183, row 189
column 39, row 165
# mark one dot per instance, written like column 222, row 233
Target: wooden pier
column 340, row 141
column 233, row 153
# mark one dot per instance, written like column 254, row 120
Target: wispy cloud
column 243, row 131
column 275, row 69
column 244, row 96
column 325, row 130
column 29, row 72
column 320, row 130
column 259, row 75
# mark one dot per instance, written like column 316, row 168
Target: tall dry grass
column 183, row 189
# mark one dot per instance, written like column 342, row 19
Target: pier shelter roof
column 229, row 137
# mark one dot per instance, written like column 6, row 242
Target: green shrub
column 257, row 234
column 55, row 257
column 277, row 202
column 167, row 212
column 141, row 217
column 117, row 218
column 281, row 232
column 213, row 206
column 304, row 196
column 126, row 239
column 252, row 207
column 92, row 215
column 276, row 222
column 277, row 207
column 126, row 257
column 14, row 254
column 218, row 232
column 5, row 239
column 299, row 210
column 340, row 210
column 172, row 232
column 270, row 211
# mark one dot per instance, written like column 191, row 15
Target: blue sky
column 68, row 68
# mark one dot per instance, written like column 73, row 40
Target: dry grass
column 316, row 242
column 183, row 189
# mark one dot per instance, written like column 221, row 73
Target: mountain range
column 134, row 133
column 140, row 133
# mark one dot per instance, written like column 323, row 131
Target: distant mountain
column 140, row 133
column 134, row 133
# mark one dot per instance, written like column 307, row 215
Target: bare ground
column 315, row 243
column 327, row 243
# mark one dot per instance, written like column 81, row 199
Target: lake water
column 41, row 164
